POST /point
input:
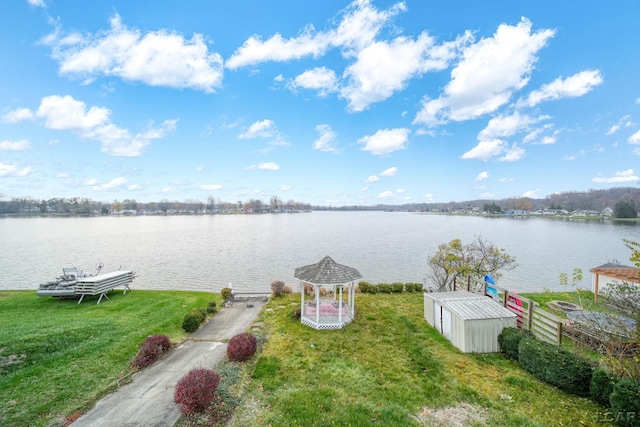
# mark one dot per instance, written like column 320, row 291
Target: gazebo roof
column 327, row 272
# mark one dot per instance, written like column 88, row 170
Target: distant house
column 612, row 274
column 607, row 211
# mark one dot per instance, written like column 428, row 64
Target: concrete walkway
column 148, row 399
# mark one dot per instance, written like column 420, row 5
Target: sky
column 331, row 103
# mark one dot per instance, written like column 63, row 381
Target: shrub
column 419, row 287
column 212, row 307
column 509, row 340
column 287, row 289
column 601, row 387
column 194, row 392
column 192, row 320
column 277, row 288
column 241, row 347
column 296, row 313
column 226, row 294
column 309, row 290
column 384, row 288
column 555, row 365
column 151, row 349
column 625, row 402
column 373, row 289
column 397, row 287
column 410, row 287
column 364, row 287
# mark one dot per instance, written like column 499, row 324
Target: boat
column 64, row 286
column 74, row 283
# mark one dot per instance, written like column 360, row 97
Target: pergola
column 327, row 313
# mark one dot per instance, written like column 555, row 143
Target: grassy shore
column 389, row 367
column 58, row 357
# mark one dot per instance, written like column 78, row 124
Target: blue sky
column 330, row 102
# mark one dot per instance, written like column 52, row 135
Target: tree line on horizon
column 595, row 200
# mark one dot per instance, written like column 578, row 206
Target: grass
column 389, row 367
column 58, row 357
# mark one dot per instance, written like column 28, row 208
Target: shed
column 472, row 322
column 612, row 274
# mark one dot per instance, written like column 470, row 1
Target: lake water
column 206, row 253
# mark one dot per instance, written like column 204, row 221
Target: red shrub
column 241, row 347
column 151, row 349
column 194, row 391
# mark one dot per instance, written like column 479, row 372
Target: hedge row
column 389, row 288
column 573, row 374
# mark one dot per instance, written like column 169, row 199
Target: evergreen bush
column 384, row 288
column 241, row 347
column 364, row 287
column 509, row 340
column 151, row 349
column 419, row 287
column 601, row 387
column 397, row 287
column 373, row 289
column 410, row 287
column 555, row 365
column 194, row 392
column 212, row 307
column 625, row 402
column 192, row 320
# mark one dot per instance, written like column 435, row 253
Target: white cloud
column 482, row 176
column 372, row 178
column 18, row 115
column 322, row 80
column 624, row 122
column 199, row 168
column 37, row 3
column 635, row 138
column 271, row 166
column 20, row 145
column 572, row 87
column 429, row 196
column 211, row 187
column 13, row 171
column 156, row 58
column 385, row 141
column 383, row 68
column 66, row 113
column 327, row 139
column 532, row 194
column 385, row 194
column 488, row 74
column 389, row 172
column 134, row 187
column 486, row 150
column 623, row 176
column 285, row 187
column 114, row 184
column 504, row 126
column 265, row 129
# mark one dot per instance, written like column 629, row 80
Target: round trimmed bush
column 625, row 402
column 410, row 287
column 192, row 321
column 226, row 293
column 364, row 286
column 602, row 383
column 151, row 349
column 194, row 392
column 509, row 340
column 277, row 288
column 241, row 347
column 212, row 307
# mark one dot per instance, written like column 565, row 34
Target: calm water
column 250, row 251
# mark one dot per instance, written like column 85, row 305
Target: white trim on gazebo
column 325, row 313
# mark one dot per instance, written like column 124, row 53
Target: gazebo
column 327, row 313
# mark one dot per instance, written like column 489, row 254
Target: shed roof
column 476, row 309
column 618, row 271
column 327, row 272
column 453, row 295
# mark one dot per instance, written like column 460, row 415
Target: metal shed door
column 443, row 320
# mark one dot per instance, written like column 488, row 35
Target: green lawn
column 390, row 368
column 58, row 357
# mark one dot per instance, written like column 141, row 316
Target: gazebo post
column 340, row 305
column 317, row 289
column 302, row 310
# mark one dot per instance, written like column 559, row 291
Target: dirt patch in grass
column 460, row 415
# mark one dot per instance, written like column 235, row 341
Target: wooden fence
column 531, row 317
